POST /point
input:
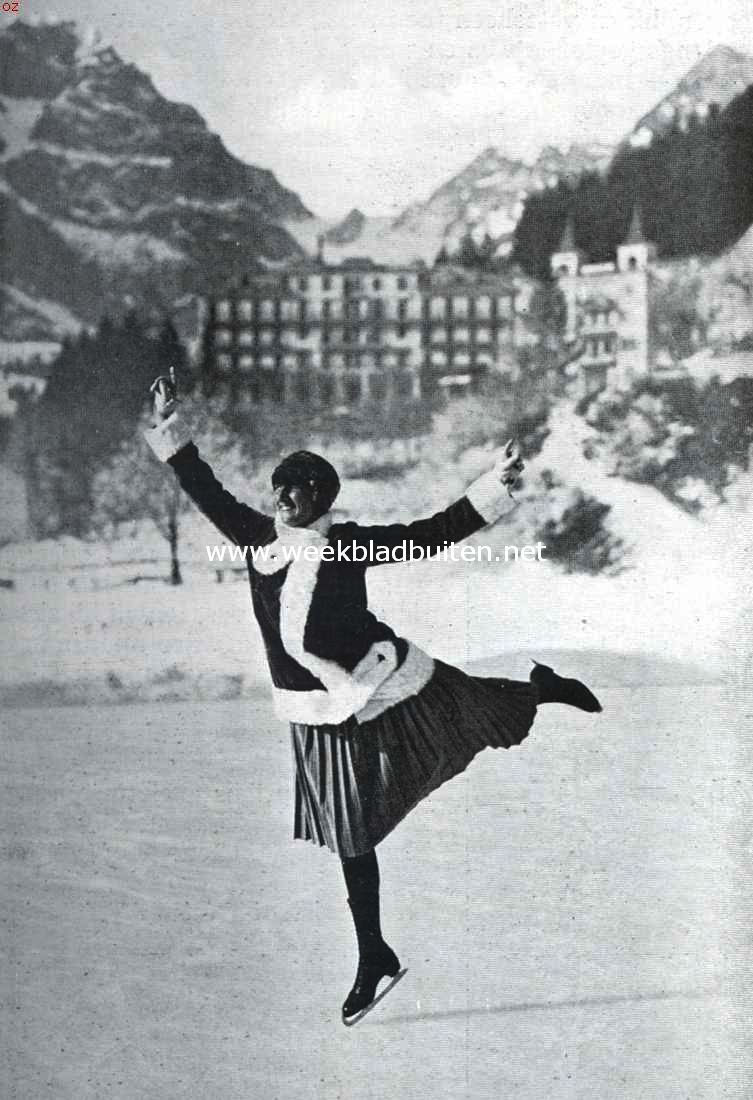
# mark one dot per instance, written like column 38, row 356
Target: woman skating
column 376, row 724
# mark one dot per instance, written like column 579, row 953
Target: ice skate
column 558, row 689
column 371, row 971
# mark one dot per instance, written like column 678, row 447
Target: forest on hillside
column 694, row 186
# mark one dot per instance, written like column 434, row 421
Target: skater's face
column 296, row 505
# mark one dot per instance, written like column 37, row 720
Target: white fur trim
column 318, row 708
column 413, row 675
column 490, row 497
column 169, row 437
column 349, row 691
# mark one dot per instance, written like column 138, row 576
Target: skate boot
column 378, row 963
column 557, row 689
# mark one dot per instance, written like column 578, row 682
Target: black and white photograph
column 376, row 513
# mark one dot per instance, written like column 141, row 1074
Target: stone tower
column 565, row 267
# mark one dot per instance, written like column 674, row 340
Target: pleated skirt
column 354, row 783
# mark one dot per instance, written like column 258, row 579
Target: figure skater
column 376, row 724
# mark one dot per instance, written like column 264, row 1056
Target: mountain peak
column 716, row 78
column 348, row 230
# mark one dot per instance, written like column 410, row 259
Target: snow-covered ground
column 574, row 914
column 73, row 618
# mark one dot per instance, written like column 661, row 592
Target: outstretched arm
column 485, row 501
column 171, row 441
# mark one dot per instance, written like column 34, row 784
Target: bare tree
column 134, row 487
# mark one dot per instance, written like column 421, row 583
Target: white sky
column 374, row 103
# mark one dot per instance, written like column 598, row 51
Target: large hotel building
column 358, row 331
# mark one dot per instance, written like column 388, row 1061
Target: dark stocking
column 362, row 880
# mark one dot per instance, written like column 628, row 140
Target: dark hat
column 307, row 468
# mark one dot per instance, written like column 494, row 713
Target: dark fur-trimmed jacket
column 329, row 656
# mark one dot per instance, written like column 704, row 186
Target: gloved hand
column 509, row 466
column 165, row 394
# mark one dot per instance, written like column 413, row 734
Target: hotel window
column 483, row 307
column 462, row 335
column 504, row 306
column 363, row 308
column 352, row 310
column 377, row 386
column 246, row 362
column 439, row 336
column 246, row 338
column 267, row 310
column 402, row 309
column 326, row 282
column 336, row 334
column 289, row 309
column 483, row 335
column 483, row 359
column 268, row 362
column 267, row 337
column 303, row 283
column 377, row 284
column 460, row 307
column 402, row 282
column 404, row 385
column 246, row 310
column 326, row 310
column 336, row 360
column 363, row 337
column 353, row 282
column 353, row 389
column 223, row 337
column 301, row 387
column 223, row 311
column 224, row 362
column 438, row 308
column 290, row 361
column 377, row 309
column 462, row 359
column 303, row 330
column 439, row 358
column 375, row 336
column 367, row 362
column 389, row 360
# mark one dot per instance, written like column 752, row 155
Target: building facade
column 356, row 332
column 608, row 309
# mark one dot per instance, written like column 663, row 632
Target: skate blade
column 365, row 1011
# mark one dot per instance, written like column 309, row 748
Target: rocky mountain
column 717, row 78
column 488, row 195
column 348, row 230
column 485, row 197
column 110, row 194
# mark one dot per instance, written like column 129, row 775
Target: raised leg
column 557, row 689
